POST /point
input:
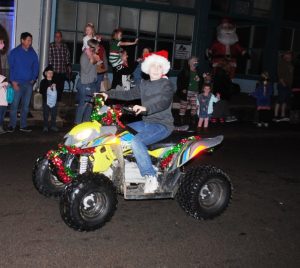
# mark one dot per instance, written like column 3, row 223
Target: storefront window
column 129, row 20
column 66, row 15
column 87, row 12
column 185, row 27
column 261, row 8
column 252, row 38
column 148, row 24
column 154, row 29
column 109, row 19
column 167, row 24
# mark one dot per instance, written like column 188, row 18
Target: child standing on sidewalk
column 263, row 94
column 206, row 100
column 49, row 93
column 3, row 102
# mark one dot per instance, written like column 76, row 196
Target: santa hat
column 159, row 57
column 227, row 21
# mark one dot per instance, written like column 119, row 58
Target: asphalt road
column 259, row 229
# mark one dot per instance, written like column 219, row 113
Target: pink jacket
column 3, row 101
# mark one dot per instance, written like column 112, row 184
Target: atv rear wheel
column 204, row 192
column 88, row 202
column 45, row 181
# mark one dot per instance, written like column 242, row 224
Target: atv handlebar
column 125, row 109
column 129, row 110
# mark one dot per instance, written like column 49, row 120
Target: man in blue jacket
column 24, row 68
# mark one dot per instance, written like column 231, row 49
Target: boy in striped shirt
column 115, row 49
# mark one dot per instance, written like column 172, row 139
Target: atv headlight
column 81, row 138
column 83, row 135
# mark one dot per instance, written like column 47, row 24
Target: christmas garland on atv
column 65, row 174
column 168, row 155
column 111, row 116
column 106, row 119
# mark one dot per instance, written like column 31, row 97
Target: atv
column 96, row 163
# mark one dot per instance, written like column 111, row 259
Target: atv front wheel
column 204, row 192
column 88, row 202
column 44, row 180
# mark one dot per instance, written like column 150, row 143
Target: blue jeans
column 2, row 114
column 52, row 111
column 84, row 109
column 23, row 95
column 284, row 94
column 148, row 133
column 100, row 78
column 137, row 74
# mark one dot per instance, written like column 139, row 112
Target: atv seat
column 171, row 140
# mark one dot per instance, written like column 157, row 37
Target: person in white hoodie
column 3, row 102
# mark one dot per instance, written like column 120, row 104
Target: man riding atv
column 156, row 97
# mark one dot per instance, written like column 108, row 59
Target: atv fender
column 192, row 150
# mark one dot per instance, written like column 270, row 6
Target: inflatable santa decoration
column 225, row 50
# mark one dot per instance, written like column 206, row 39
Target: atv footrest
column 138, row 196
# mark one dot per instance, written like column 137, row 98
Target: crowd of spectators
column 195, row 90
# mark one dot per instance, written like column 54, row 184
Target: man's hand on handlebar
column 139, row 109
column 136, row 109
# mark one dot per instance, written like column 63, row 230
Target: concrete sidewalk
column 36, row 119
column 241, row 106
